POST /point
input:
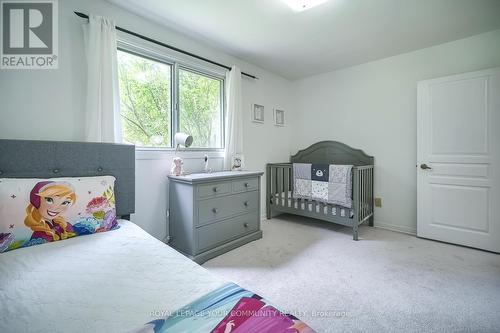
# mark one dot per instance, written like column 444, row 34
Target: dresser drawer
column 218, row 233
column 213, row 189
column 250, row 184
column 219, row 208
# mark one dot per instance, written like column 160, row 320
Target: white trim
column 377, row 224
column 135, row 44
column 177, row 62
column 397, row 228
column 164, row 154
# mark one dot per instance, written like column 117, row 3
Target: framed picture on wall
column 279, row 117
column 258, row 113
column 237, row 162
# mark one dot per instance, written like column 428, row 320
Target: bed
column 280, row 186
column 122, row 280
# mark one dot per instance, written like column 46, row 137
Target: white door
column 458, row 157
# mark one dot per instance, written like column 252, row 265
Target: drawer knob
column 215, row 189
column 215, row 210
column 246, row 203
column 245, row 225
column 247, row 185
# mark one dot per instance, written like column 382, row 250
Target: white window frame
column 178, row 61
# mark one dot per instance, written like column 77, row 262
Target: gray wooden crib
column 280, row 186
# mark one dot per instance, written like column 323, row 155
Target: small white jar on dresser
column 212, row 213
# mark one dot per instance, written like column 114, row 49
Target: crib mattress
column 300, row 204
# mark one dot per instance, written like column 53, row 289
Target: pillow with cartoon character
column 37, row 211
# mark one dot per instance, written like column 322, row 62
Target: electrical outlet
column 378, row 202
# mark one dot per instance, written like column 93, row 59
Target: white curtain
column 234, row 117
column 103, row 121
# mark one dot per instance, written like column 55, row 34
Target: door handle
column 425, row 167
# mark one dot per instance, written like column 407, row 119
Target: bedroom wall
column 373, row 107
column 49, row 104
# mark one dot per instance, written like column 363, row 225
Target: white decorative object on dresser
column 212, row 213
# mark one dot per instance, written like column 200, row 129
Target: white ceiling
column 334, row 35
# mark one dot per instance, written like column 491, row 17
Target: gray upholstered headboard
column 332, row 152
column 48, row 159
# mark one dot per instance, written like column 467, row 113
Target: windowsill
column 143, row 153
column 137, row 148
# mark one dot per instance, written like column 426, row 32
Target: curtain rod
column 85, row 16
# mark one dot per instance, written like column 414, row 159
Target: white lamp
column 182, row 139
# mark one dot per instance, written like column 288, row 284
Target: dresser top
column 219, row 175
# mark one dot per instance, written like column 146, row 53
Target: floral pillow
column 36, row 211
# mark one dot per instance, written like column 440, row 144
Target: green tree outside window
column 146, row 103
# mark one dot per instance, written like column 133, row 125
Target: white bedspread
column 107, row 282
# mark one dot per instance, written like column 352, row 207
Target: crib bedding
column 326, row 183
column 108, row 282
column 287, row 200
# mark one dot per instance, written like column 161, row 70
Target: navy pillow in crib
column 319, row 172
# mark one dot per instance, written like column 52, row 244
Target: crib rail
column 280, row 199
column 363, row 192
column 279, row 185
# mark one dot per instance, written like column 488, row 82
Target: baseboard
column 381, row 225
column 397, row 228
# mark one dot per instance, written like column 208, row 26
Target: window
column 150, row 89
column 145, row 100
column 200, row 108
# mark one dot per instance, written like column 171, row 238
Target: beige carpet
column 386, row 282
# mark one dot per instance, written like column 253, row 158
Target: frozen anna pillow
column 36, row 211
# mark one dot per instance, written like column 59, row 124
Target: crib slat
column 361, row 195
column 361, row 213
column 369, row 200
column 371, row 190
column 368, row 189
column 271, row 184
column 364, row 193
column 368, row 192
column 275, row 185
column 269, row 181
column 286, row 184
column 280, row 185
column 358, row 192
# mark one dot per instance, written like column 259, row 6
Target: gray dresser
column 213, row 213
